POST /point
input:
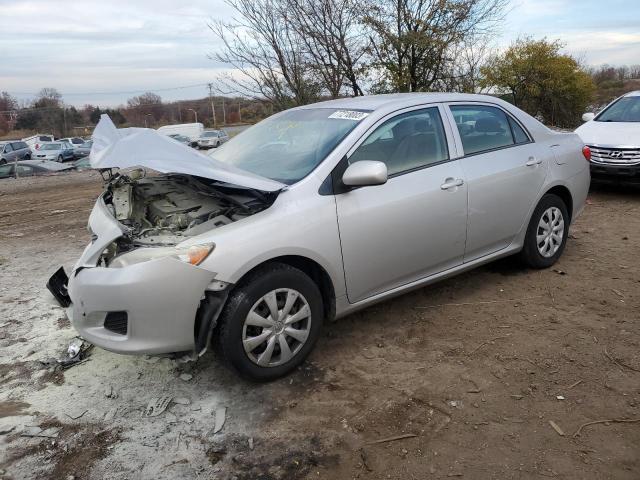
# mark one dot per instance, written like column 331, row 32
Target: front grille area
column 615, row 156
column 116, row 322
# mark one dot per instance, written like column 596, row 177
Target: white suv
column 212, row 138
column 614, row 139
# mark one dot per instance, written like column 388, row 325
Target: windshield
column 288, row 146
column 51, row 146
column 627, row 109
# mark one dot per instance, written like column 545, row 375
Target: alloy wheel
column 276, row 327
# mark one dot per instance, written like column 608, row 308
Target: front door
column 414, row 225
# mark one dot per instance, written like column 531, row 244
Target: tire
column 3, row 161
column 248, row 297
column 60, row 159
column 546, row 212
column 27, row 156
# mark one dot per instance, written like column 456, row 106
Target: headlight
column 194, row 254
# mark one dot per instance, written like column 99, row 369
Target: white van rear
column 191, row 130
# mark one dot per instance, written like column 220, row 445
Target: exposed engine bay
column 167, row 209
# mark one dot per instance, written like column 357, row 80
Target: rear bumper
column 146, row 308
column 615, row 173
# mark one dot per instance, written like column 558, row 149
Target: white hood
column 144, row 147
column 613, row 134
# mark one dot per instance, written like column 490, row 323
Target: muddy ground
column 472, row 371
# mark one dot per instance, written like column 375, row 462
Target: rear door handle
column 451, row 182
column 533, row 161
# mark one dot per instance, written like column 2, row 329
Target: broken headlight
column 194, row 254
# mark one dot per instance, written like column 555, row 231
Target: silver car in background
column 312, row 214
column 212, row 138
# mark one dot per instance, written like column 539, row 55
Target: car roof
column 635, row 93
column 376, row 102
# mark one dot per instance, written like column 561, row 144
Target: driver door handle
column 533, row 161
column 451, row 182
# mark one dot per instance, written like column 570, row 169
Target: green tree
column 538, row 78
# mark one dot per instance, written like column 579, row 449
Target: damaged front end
column 136, row 288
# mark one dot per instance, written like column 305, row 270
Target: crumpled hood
column 619, row 134
column 144, row 147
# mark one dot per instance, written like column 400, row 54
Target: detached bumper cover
column 160, row 298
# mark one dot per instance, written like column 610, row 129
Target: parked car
column 13, row 150
column 57, row 151
column 312, row 214
column 29, row 168
column 35, row 141
column 191, row 130
column 181, row 138
column 614, row 139
column 212, row 139
column 81, row 151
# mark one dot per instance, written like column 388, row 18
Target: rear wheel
column 60, row 158
column 547, row 232
column 3, row 161
column 270, row 323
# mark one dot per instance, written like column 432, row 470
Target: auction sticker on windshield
column 349, row 115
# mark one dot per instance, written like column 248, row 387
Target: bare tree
column 414, row 41
column 268, row 52
column 335, row 41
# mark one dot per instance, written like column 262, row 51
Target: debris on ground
column 181, row 401
column 556, row 427
column 186, row 377
column 157, row 405
column 221, row 416
column 77, row 352
column 394, row 438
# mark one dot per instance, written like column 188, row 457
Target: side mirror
column 365, row 173
column 587, row 117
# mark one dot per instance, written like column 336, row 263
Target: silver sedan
column 310, row 215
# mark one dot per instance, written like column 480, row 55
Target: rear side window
column 406, row 142
column 5, row 170
column 18, row 145
column 44, row 138
column 519, row 135
column 77, row 141
column 482, row 128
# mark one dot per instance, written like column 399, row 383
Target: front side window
column 627, row 109
column 482, row 128
column 412, row 140
column 7, row 148
column 288, row 146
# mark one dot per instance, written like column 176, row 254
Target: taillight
column 37, row 146
column 586, row 151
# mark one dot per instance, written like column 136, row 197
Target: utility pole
column 224, row 113
column 213, row 110
column 239, row 112
column 194, row 113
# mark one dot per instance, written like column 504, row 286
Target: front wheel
column 270, row 323
column 547, row 232
column 2, row 161
column 60, row 158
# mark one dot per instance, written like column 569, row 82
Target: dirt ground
column 472, row 371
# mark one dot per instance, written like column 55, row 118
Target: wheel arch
column 314, row 270
column 565, row 194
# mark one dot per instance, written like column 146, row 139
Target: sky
column 103, row 52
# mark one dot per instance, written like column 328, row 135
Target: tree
column 141, row 106
column 268, row 52
column 48, row 98
column 536, row 77
column 414, row 42
column 331, row 32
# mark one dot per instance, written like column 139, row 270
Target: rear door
column 414, row 225
column 504, row 169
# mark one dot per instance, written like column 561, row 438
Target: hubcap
column 550, row 232
column 276, row 327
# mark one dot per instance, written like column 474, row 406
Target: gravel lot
column 472, row 370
